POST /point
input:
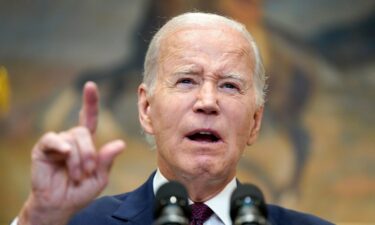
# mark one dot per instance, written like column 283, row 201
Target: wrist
column 33, row 213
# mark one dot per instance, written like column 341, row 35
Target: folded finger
column 86, row 148
column 51, row 147
column 73, row 162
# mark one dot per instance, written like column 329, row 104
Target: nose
column 207, row 100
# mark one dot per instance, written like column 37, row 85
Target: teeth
column 205, row 132
column 204, row 136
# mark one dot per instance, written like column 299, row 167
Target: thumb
column 108, row 153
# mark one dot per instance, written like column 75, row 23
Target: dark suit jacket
column 136, row 208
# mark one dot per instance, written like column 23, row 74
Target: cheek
column 240, row 121
column 166, row 112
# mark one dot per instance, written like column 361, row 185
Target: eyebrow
column 235, row 76
column 191, row 68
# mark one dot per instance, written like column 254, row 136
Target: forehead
column 217, row 38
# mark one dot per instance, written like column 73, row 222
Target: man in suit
column 201, row 100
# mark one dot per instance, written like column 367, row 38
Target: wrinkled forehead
column 232, row 40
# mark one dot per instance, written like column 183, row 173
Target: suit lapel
column 137, row 207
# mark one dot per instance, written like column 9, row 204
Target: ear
column 144, row 109
column 257, row 118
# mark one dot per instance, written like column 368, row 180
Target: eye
column 230, row 87
column 185, row 82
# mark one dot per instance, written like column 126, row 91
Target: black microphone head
column 247, row 195
column 172, row 193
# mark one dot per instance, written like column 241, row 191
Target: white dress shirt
column 218, row 204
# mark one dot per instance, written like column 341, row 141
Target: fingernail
column 120, row 143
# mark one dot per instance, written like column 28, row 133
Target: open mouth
column 204, row 136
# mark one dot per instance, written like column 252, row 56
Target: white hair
column 199, row 18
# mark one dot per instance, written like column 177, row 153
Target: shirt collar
column 158, row 181
column 219, row 203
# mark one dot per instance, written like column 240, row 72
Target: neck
column 202, row 192
column 200, row 187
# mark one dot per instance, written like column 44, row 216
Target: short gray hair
column 199, row 18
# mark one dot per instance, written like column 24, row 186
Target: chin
column 206, row 168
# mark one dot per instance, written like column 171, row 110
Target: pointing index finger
column 89, row 112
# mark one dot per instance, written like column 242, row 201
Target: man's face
column 202, row 112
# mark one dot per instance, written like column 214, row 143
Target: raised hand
column 67, row 171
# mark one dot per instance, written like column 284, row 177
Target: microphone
column 171, row 205
column 247, row 206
